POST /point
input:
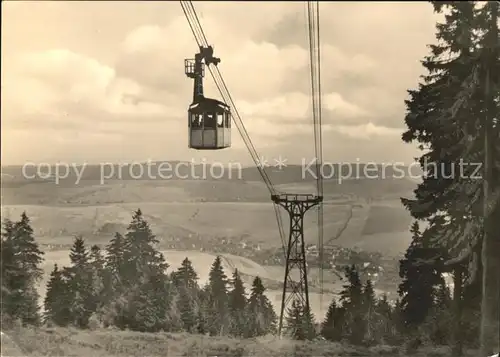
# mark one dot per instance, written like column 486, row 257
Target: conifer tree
column 300, row 322
column 28, row 252
column 185, row 280
column 261, row 316
column 438, row 122
column 217, row 300
column 369, row 304
column 145, row 285
column 115, row 294
column 57, row 306
column 150, row 306
column 176, row 316
column 440, row 321
column 115, row 252
column 98, row 278
column 351, row 298
column 201, row 319
column 398, row 320
column 141, row 258
column 329, row 324
column 12, row 273
column 186, row 275
column 385, row 329
column 79, row 279
column 454, row 114
column 237, row 306
column 188, row 306
column 21, row 258
column 417, row 289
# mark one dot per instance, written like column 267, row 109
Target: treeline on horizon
column 129, row 285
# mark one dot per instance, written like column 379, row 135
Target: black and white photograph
column 250, row 178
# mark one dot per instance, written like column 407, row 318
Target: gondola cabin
column 209, row 125
column 209, row 120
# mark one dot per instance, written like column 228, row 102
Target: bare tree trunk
column 457, row 311
column 491, row 243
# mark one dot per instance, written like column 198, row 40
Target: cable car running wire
column 315, row 62
column 205, row 135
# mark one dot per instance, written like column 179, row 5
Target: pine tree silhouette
column 57, row 301
column 419, row 280
column 21, row 259
column 238, row 306
column 262, row 319
column 351, row 298
column 217, row 300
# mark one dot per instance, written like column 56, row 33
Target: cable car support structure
column 295, row 204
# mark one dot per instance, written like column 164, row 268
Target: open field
column 72, row 342
column 249, row 222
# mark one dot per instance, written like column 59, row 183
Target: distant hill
column 178, row 170
column 121, row 184
column 186, row 207
column 230, row 207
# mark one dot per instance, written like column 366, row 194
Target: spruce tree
column 140, row 253
column 385, row 329
column 351, row 298
column 12, row 273
column 57, row 304
column 30, row 257
column 185, row 280
column 440, row 321
column 188, row 306
column 369, row 304
column 149, row 307
column 237, row 306
column 217, row 300
column 28, row 252
column 261, row 316
column 454, row 116
column 176, row 316
column 115, row 252
column 417, row 289
column 328, row 326
column 98, row 278
column 144, row 282
column 21, row 258
column 299, row 321
column 398, row 320
column 294, row 321
column 186, row 276
column 142, row 316
column 79, row 277
column 114, row 294
column 442, row 126
column 201, row 318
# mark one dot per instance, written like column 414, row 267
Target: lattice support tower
column 295, row 253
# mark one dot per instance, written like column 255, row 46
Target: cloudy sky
column 104, row 81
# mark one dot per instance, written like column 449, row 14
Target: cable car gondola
column 209, row 120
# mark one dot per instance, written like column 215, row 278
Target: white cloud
column 142, row 94
column 339, row 106
column 66, row 84
column 366, row 131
